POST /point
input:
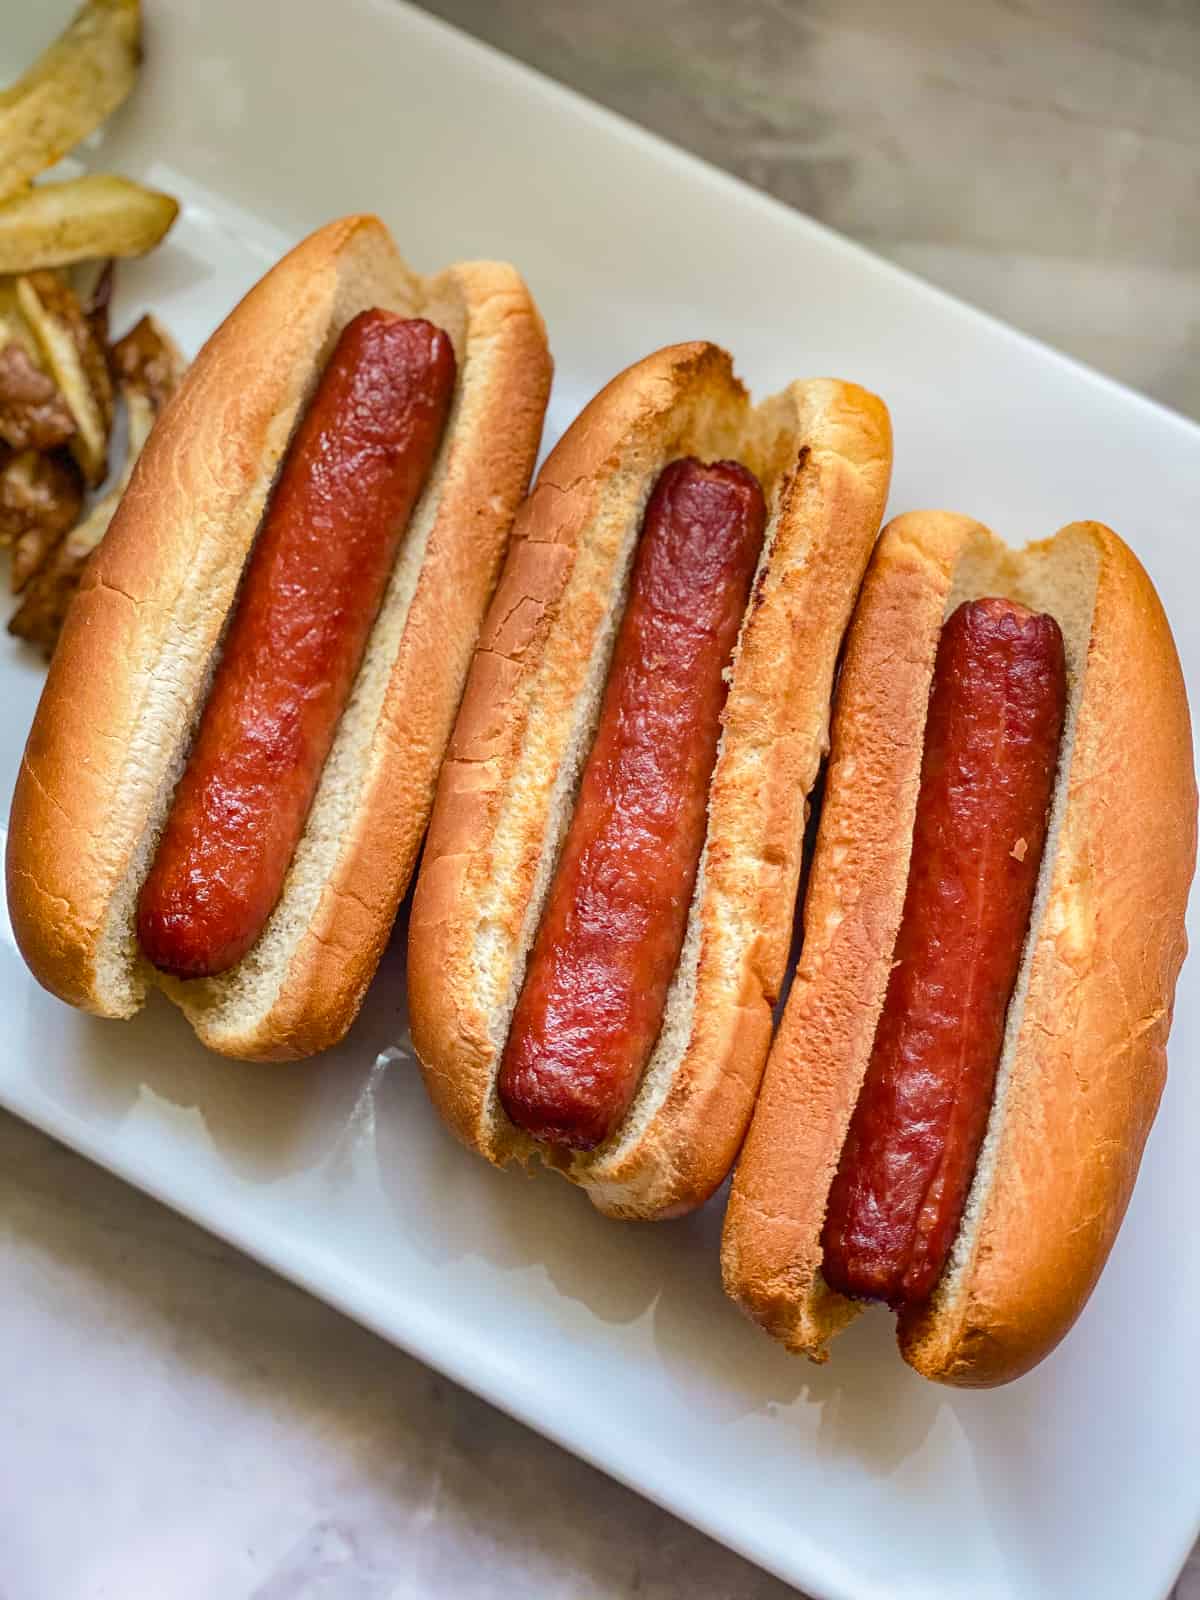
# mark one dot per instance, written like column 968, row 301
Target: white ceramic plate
column 857, row 1479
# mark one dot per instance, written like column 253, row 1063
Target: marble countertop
column 1041, row 161
column 177, row 1421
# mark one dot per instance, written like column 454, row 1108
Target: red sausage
column 311, row 592
column 991, row 748
column 610, row 936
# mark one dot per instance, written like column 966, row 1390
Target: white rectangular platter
column 853, row 1480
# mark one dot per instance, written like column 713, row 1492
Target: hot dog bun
column 823, row 453
column 137, row 652
column 1083, row 1063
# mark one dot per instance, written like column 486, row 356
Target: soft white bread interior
column 129, row 676
column 822, row 450
column 1084, row 1056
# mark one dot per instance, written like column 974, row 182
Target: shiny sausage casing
column 310, row 595
column 613, row 926
column 987, row 775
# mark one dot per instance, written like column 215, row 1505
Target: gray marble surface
column 1040, row 158
column 179, row 1423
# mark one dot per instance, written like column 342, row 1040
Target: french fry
column 41, row 497
column 13, row 327
column 69, row 90
column 147, row 361
column 92, row 283
column 77, row 363
column 56, row 368
column 40, row 615
column 33, row 414
column 55, row 224
column 150, row 366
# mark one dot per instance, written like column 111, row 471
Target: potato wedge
column 92, row 284
column 148, row 362
column 13, row 327
column 33, row 413
column 41, row 497
column 69, row 90
column 55, row 224
column 76, row 361
column 149, row 366
column 44, row 603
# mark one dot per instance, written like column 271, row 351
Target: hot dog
column 603, row 914
column 233, row 761
column 973, row 1049
column 312, row 590
column 987, row 774
column 596, row 986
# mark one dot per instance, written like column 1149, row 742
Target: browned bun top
column 1084, row 1056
